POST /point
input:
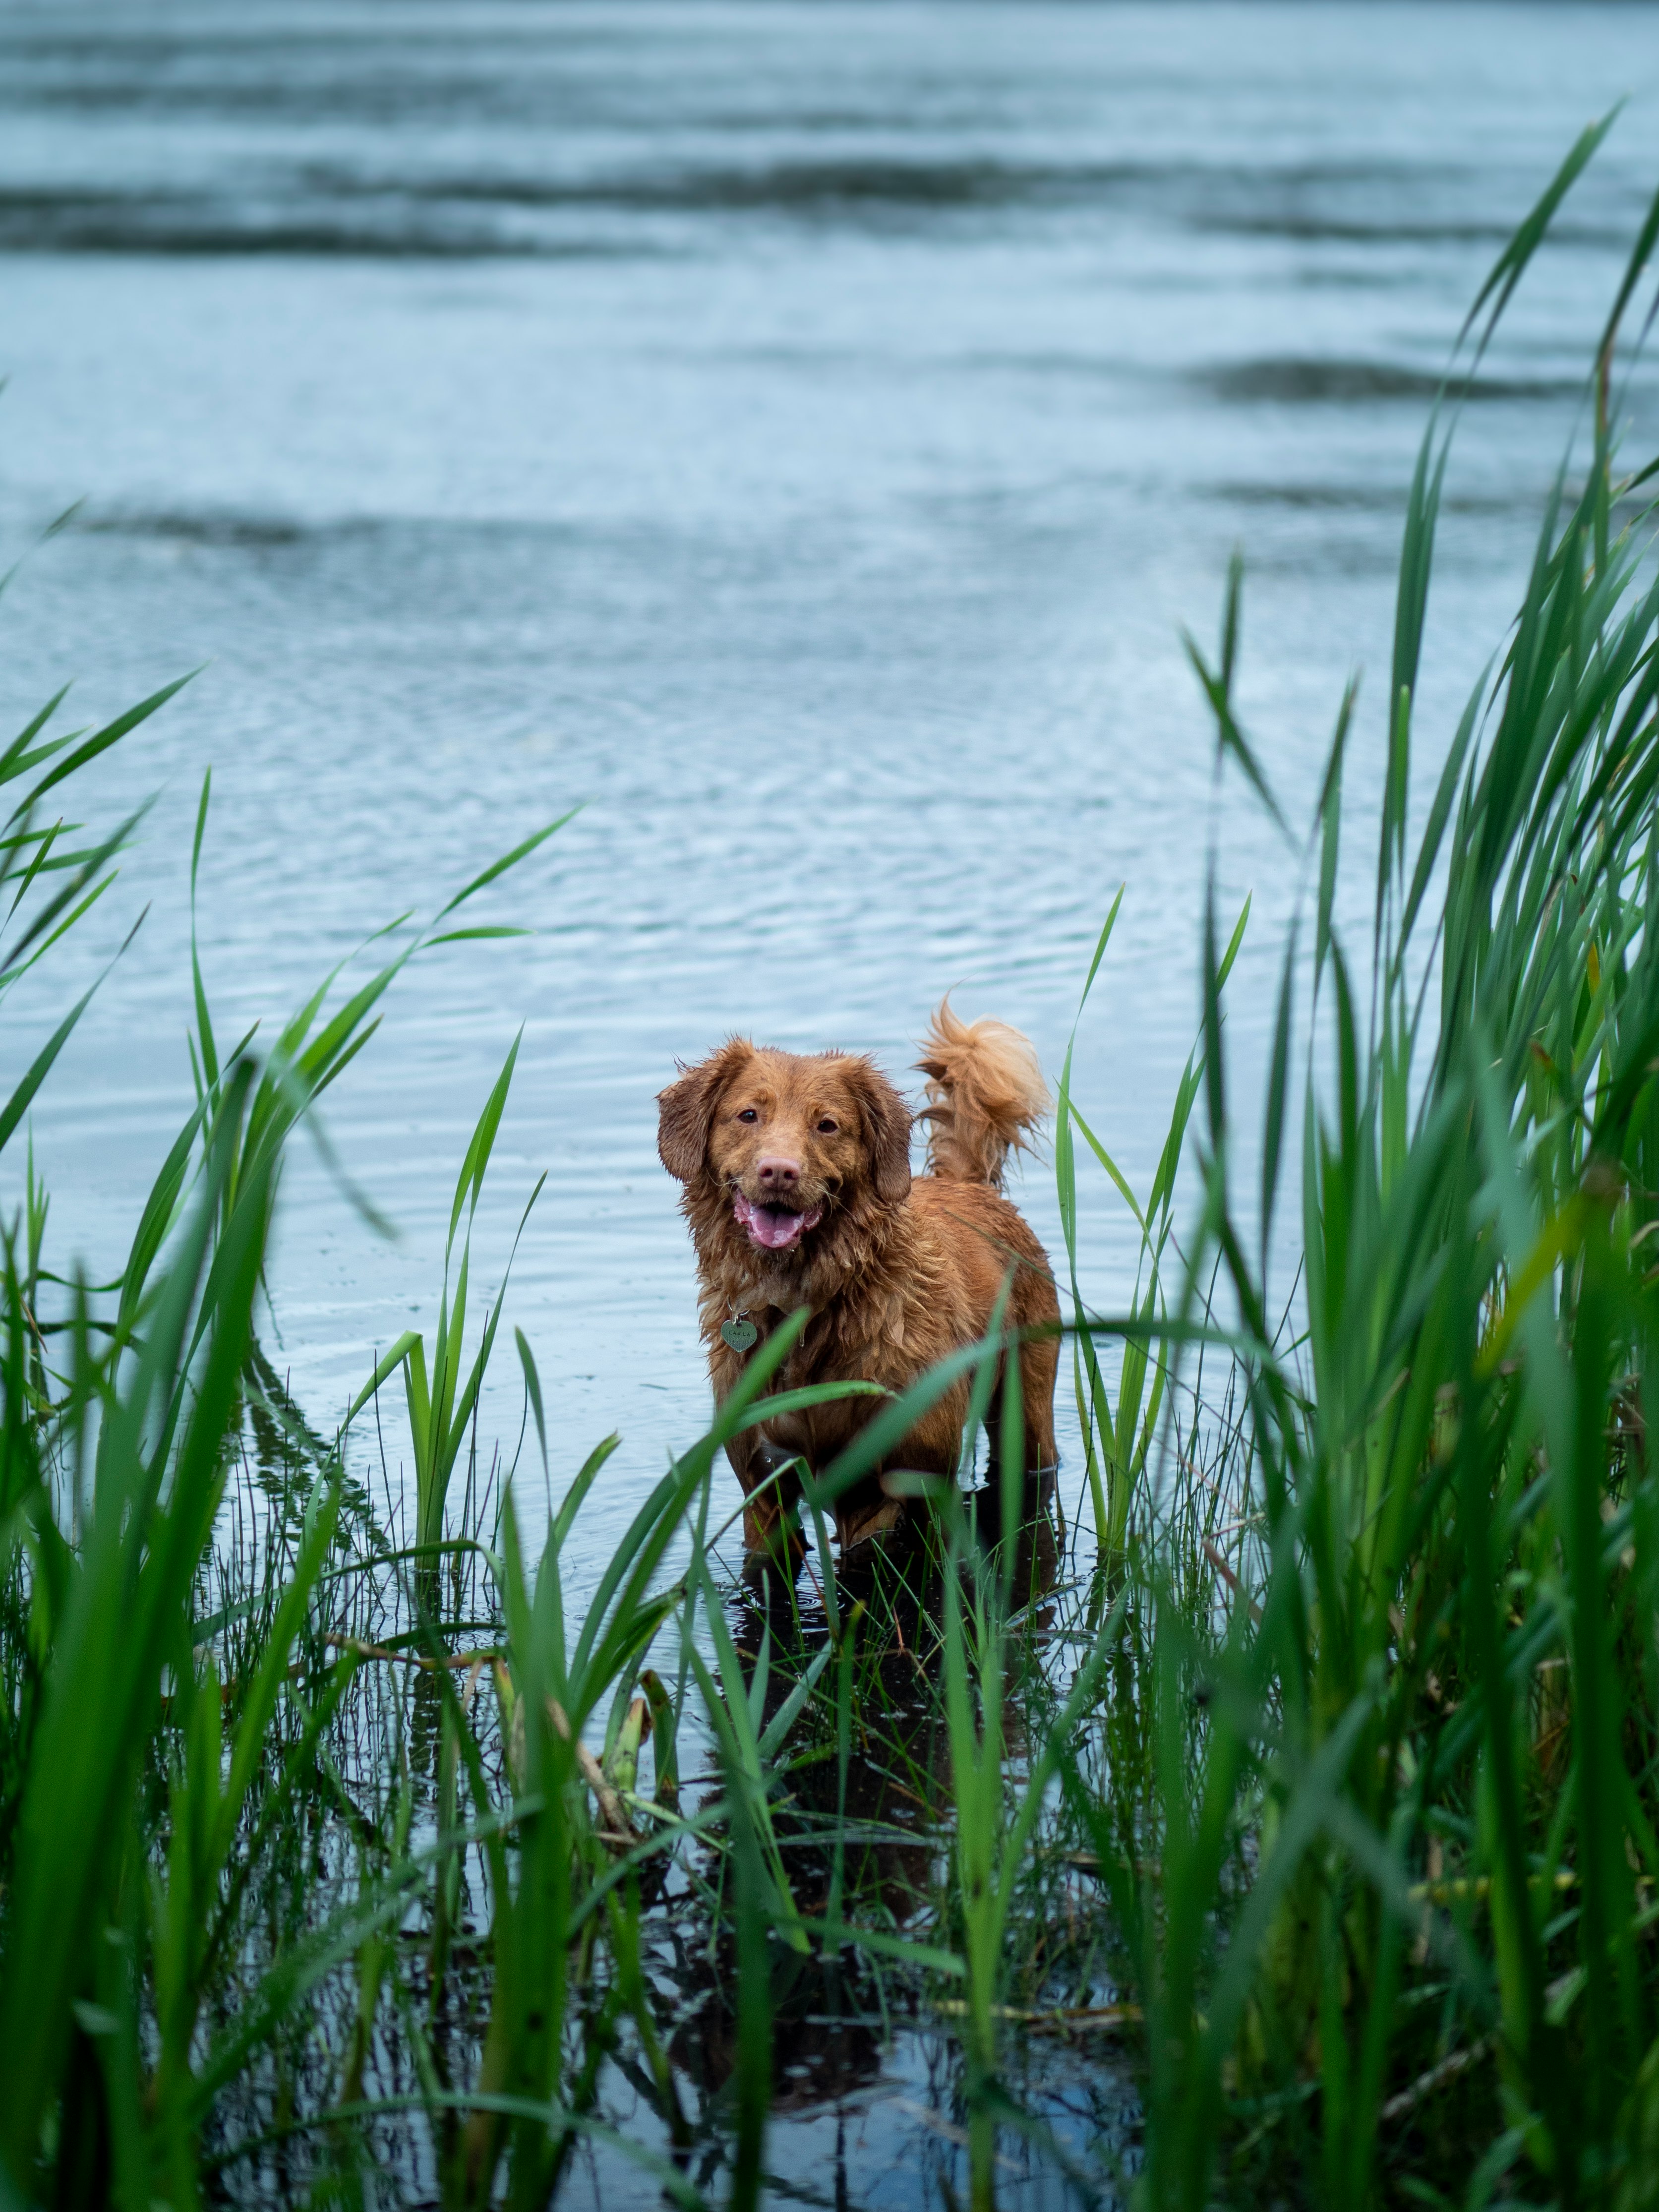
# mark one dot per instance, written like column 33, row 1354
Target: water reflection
column 873, row 1845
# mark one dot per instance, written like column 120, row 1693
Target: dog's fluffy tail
column 985, row 1094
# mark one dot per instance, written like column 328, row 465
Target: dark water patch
column 76, row 221
column 1302, row 561
column 1360, row 499
column 879, row 173
column 392, row 545
column 1368, row 499
column 323, row 209
column 1388, row 231
column 257, row 532
column 1204, row 196
column 823, row 186
column 1301, row 380
column 833, row 185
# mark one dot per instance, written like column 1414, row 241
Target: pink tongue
column 771, row 1226
column 772, row 1229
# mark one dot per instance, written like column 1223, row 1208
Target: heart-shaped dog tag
column 740, row 1333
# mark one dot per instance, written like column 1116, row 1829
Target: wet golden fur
column 898, row 1271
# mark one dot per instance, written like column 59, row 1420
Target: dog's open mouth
column 773, row 1228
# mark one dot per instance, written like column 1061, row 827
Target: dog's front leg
column 769, row 1531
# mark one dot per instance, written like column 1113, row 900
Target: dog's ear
column 887, row 1126
column 685, row 1111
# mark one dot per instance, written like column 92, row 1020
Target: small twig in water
column 1227, row 1574
column 1426, row 2084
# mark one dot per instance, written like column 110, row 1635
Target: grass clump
column 1298, row 1844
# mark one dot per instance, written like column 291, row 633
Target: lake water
column 797, row 433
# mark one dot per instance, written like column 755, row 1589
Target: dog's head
column 787, row 1141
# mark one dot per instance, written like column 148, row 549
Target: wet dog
column 799, row 1193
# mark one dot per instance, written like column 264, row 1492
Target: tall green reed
column 442, row 1398
column 1447, row 1470
column 137, row 1785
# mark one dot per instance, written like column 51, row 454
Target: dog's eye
column 827, row 1127
column 748, row 1115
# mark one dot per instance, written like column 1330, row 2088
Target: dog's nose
column 778, row 1175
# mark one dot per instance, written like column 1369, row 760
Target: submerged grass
column 1300, row 1844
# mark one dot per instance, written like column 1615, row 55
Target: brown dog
column 799, row 1192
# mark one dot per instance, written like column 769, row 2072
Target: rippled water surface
column 797, row 433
